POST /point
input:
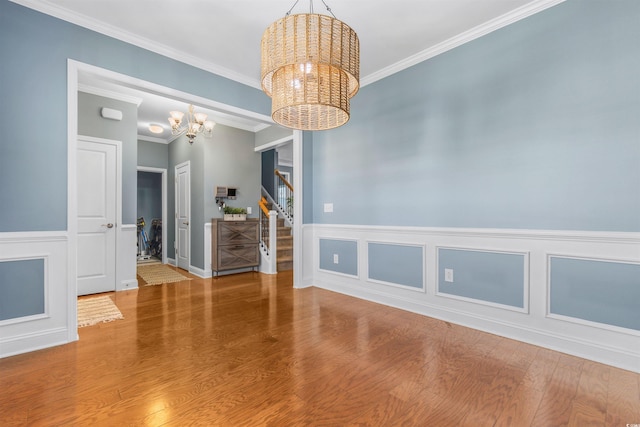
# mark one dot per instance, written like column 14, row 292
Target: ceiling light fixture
column 154, row 128
column 197, row 123
column 310, row 68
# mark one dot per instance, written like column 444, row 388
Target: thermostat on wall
column 111, row 114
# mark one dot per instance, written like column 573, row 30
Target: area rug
column 97, row 310
column 157, row 274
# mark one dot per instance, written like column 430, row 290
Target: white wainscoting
column 616, row 347
column 53, row 327
column 126, row 257
column 206, row 272
column 310, row 261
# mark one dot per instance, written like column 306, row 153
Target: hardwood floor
column 248, row 350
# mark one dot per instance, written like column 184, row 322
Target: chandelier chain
column 311, row 8
column 294, row 5
column 328, row 9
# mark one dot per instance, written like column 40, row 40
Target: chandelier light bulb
column 196, row 123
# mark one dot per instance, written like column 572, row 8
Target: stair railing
column 274, row 205
column 284, row 196
column 264, row 224
column 268, row 238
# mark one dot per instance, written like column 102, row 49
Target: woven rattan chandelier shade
column 310, row 68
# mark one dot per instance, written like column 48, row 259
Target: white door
column 97, row 204
column 183, row 215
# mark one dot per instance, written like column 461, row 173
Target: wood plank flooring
column 249, row 350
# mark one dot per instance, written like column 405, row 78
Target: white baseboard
column 34, row 341
column 199, row 272
column 127, row 285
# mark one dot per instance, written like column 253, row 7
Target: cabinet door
column 237, row 232
column 237, row 256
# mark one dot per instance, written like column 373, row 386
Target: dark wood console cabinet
column 234, row 244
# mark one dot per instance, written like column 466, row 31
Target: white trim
column 175, row 206
column 54, row 10
column 578, row 320
column 28, row 333
column 136, row 40
column 109, row 94
column 33, row 236
column 126, row 276
column 165, row 213
column 525, row 279
column 593, row 324
column 273, row 144
column 73, row 68
column 46, row 311
column 207, row 272
column 365, row 259
column 153, row 139
column 614, row 346
column 597, row 259
column 339, row 273
column 35, row 341
column 199, row 272
column 127, row 285
column 462, row 38
column 298, row 250
column 632, row 238
column 146, row 86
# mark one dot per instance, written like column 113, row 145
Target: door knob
column 186, row 223
column 110, row 225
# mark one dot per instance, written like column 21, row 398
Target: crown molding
column 462, row 38
column 49, row 8
column 152, row 139
column 109, row 94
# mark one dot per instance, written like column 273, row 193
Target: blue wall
column 347, row 252
column 21, row 288
column 153, row 155
column 35, row 80
column 484, row 276
column 598, row 291
column 532, row 126
column 398, row 264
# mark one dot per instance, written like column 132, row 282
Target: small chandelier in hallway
column 197, row 123
column 310, row 68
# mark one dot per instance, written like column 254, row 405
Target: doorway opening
column 152, row 215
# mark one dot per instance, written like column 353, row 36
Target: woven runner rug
column 157, row 274
column 97, row 310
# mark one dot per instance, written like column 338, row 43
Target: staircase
column 285, row 247
column 270, row 226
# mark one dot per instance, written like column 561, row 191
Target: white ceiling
column 224, row 36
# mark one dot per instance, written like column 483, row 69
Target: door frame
column 175, row 205
column 74, row 69
column 118, row 201
column 164, row 206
